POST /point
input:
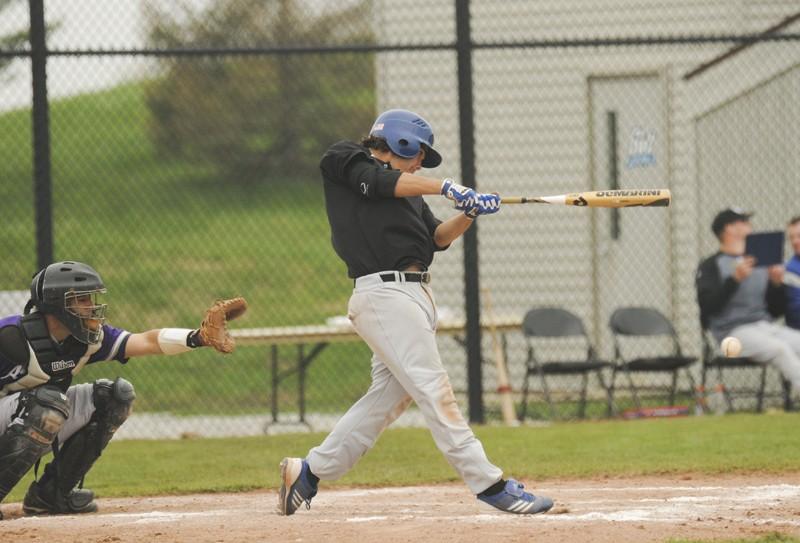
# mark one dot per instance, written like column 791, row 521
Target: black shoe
column 44, row 500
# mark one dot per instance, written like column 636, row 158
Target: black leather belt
column 408, row 277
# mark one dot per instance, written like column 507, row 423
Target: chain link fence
column 185, row 140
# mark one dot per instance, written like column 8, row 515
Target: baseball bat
column 600, row 198
column 503, row 386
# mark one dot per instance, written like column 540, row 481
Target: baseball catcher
column 62, row 329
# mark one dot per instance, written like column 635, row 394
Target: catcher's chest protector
column 49, row 362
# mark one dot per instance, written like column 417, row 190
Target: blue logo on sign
column 640, row 153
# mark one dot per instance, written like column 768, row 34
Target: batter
column 387, row 236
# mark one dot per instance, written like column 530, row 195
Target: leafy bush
column 266, row 116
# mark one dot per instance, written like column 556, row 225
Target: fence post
column 42, row 185
column 471, row 278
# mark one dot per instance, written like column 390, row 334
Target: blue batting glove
column 463, row 197
column 485, row 204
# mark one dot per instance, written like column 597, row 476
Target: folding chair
column 714, row 360
column 551, row 322
column 647, row 322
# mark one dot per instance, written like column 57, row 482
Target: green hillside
column 169, row 237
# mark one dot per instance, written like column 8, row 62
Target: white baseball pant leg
column 80, row 411
column 358, row 430
column 398, row 320
column 775, row 344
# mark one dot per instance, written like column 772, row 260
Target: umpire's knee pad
column 113, row 401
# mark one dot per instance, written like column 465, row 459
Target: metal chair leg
column 696, row 398
column 692, row 384
column 700, row 393
column 703, row 377
column 547, row 398
column 523, row 410
column 761, row 388
column 610, row 393
column 725, row 392
column 633, row 390
column 673, row 387
column 609, row 396
column 582, row 405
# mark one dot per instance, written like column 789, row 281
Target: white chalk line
column 148, row 517
column 669, row 509
column 412, row 489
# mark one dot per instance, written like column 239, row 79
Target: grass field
column 709, row 445
column 169, row 237
column 682, row 449
column 140, row 217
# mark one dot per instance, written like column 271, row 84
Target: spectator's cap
column 729, row 216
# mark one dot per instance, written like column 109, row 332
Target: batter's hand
column 485, row 204
column 464, row 197
column 213, row 331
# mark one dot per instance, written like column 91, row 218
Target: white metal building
column 727, row 136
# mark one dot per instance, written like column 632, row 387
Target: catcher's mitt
column 213, row 331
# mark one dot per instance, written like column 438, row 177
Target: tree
column 12, row 41
column 260, row 117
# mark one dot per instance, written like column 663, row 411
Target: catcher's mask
column 71, row 292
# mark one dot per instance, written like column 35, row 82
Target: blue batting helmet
column 404, row 132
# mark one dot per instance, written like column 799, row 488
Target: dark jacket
column 713, row 293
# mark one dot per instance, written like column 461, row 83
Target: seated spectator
column 791, row 277
column 739, row 299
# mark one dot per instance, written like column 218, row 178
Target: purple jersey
column 14, row 350
column 112, row 346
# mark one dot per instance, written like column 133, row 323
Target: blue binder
column 766, row 247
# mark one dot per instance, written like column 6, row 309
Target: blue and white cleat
column 296, row 488
column 513, row 499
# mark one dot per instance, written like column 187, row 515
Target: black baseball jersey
column 371, row 230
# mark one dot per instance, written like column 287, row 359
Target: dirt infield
column 641, row 509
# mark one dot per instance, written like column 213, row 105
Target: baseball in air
column 731, row 347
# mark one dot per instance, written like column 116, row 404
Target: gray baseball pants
column 81, row 410
column 774, row 344
column 398, row 321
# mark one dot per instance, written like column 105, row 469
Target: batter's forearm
column 416, row 185
column 451, row 229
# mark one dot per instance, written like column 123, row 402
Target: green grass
column 169, row 237
column 708, row 445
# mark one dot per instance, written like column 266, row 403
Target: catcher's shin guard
column 56, row 491
column 40, row 414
